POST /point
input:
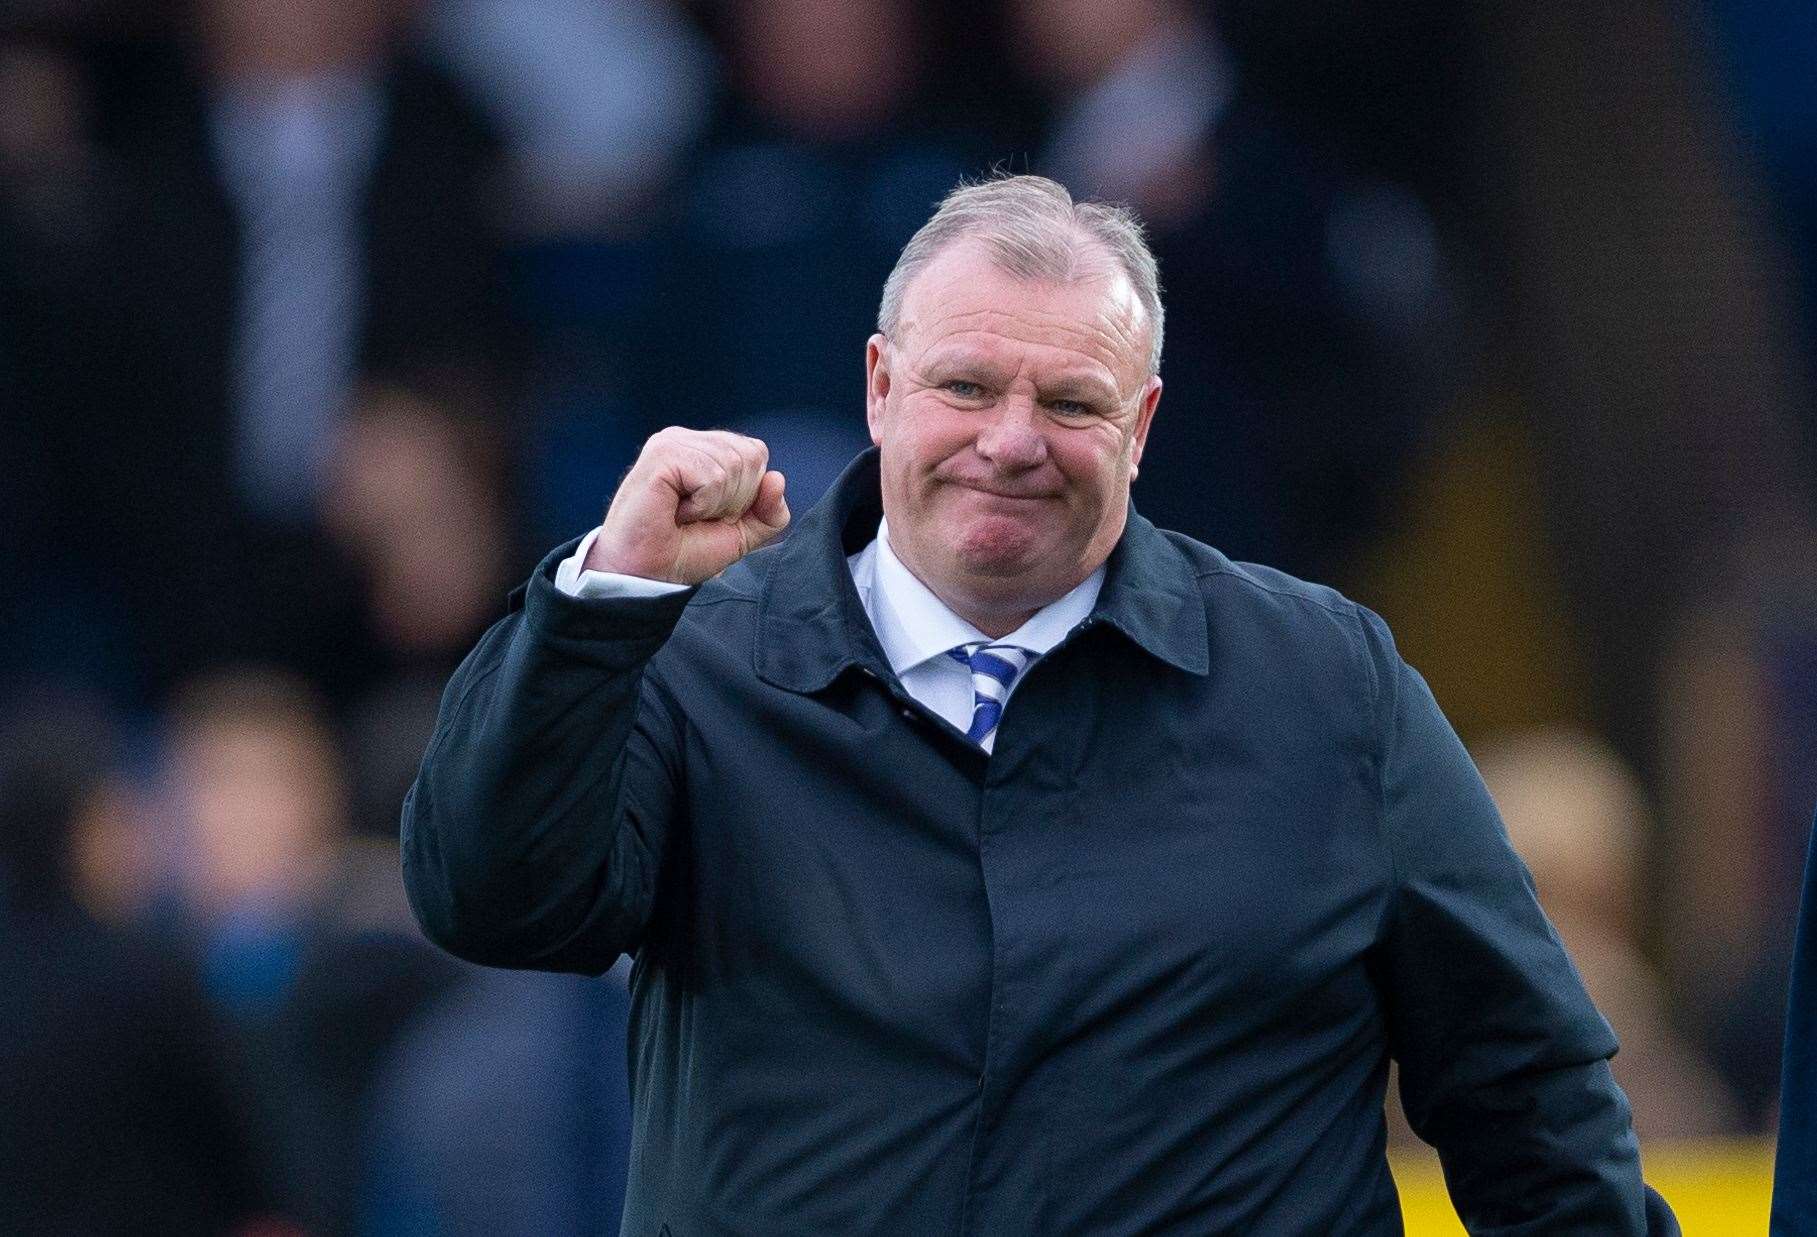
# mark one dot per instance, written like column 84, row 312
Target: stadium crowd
column 321, row 320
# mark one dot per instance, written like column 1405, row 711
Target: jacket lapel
column 1151, row 595
column 811, row 625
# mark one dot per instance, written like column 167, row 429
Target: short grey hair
column 1031, row 228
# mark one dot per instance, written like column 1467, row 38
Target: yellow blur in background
column 1717, row 1187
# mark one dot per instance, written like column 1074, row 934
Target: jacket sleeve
column 538, row 821
column 1504, row 1059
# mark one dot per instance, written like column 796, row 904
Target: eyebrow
column 960, row 359
column 1080, row 388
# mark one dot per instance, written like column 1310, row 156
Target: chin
column 994, row 568
column 998, row 549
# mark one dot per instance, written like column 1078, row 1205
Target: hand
column 695, row 502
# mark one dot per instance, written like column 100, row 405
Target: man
column 1129, row 956
column 305, row 207
column 120, row 1114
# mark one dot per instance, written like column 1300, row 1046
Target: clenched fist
column 695, row 502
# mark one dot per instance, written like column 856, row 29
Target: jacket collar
column 1151, row 594
column 811, row 625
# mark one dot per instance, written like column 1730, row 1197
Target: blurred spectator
column 1305, row 292
column 825, row 154
column 415, row 500
column 118, row 1117
column 506, row 1110
column 258, row 796
column 596, row 101
column 1141, row 88
column 308, row 204
column 1576, row 815
column 1647, row 305
column 56, row 186
column 1737, row 692
column 599, row 105
column 304, row 936
column 50, row 160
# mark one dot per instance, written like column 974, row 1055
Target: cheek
column 909, row 459
column 1095, row 463
column 925, row 433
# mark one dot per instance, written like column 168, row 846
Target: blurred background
column 322, row 320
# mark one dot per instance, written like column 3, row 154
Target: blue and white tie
column 994, row 669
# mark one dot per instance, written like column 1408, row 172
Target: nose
column 1012, row 439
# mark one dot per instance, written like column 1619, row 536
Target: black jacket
column 1142, row 970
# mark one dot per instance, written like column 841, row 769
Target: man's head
column 1010, row 388
column 258, row 786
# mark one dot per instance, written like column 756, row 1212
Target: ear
column 1145, row 415
column 876, row 384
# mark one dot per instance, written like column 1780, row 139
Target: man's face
column 1011, row 416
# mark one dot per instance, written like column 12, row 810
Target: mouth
column 1004, row 494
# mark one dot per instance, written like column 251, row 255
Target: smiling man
column 1010, row 412
column 994, row 862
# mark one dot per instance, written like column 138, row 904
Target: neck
column 995, row 624
column 996, row 617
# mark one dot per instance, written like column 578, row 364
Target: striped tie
column 994, row 668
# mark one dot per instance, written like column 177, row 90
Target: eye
column 1070, row 407
column 962, row 388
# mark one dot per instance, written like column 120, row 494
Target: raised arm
column 537, row 824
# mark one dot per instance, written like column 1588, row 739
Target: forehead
column 963, row 301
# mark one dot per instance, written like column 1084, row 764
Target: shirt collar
column 914, row 625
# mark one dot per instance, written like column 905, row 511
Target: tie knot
column 994, row 669
column 1002, row 662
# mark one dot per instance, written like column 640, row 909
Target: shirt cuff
column 573, row 579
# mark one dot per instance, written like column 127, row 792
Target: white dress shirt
column 915, row 628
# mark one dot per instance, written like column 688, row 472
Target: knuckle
column 714, row 482
column 663, row 444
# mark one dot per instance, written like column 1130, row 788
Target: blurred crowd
column 322, row 320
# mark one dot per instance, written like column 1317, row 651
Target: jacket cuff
column 550, row 611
